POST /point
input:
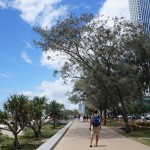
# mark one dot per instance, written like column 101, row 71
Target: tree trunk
column 54, row 125
column 123, row 111
column 124, row 114
column 16, row 144
column 37, row 134
column 105, row 110
column 104, row 116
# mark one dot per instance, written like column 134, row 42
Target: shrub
column 140, row 126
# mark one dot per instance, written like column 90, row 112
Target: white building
column 81, row 108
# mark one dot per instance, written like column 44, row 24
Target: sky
column 24, row 68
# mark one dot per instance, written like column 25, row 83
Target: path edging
column 52, row 142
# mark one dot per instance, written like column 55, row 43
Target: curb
column 52, row 142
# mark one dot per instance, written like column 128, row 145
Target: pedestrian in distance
column 79, row 117
column 87, row 118
column 95, row 127
column 84, row 118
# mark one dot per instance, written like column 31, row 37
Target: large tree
column 111, row 55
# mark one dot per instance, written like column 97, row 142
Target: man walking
column 95, row 126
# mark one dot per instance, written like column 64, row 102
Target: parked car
column 134, row 116
column 120, row 116
column 129, row 117
column 148, row 117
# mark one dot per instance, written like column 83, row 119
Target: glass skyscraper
column 140, row 12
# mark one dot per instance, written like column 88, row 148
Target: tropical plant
column 15, row 115
column 38, row 114
column 55, row 110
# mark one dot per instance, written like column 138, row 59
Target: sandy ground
column 5, row 132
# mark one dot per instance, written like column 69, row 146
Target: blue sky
column 23, row 67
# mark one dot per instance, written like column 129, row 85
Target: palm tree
column 38, row 115
column 55, row 111
column 15, row 115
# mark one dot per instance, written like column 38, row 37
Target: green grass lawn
column 28, row 141
column 142, row 136
column 115, row 123
column 5, row 142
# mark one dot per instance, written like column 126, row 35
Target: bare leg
column 97, row 138
column 91, row 139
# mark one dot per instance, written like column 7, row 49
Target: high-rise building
column 81, row 108
column 140, row 12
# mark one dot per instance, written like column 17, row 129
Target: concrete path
column 78, row 135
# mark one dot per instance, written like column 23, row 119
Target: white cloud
column 26, row 57
column 112, row 8
column 37, row 12
column 55, row 90
column 56, row 60
column 3, row 4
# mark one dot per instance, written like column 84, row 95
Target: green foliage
column 114, row 123
column 3, row 116
column 72, row 112
column 55, row 110
column 28, row 141
column 37, row 107
column 47, row 132
column 141, row 136
column 110, row 64
column 137, row 107
column 4, row 138
column 15, row 115
column 147, row 124
column 19, row 112
column 38, row 115
column 17, row 108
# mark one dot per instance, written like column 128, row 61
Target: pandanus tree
column 38, row 115
column 55, row 110
column 15, row 115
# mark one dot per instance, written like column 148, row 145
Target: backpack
column 96, row 121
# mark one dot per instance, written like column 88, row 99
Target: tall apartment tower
column 140, row 12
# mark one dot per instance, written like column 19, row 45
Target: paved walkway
column 77, row 138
